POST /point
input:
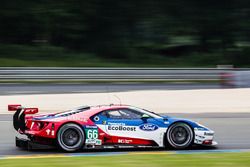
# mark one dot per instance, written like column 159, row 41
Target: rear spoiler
column 19, row 116
column 15, row 107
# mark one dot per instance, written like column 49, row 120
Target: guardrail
column 110, row 74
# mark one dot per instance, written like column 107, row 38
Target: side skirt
column 29, row 145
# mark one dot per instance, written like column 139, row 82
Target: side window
column 103, row 114
column 131, row 114
column 114, row 114
column 124, row 114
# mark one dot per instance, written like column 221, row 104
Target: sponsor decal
column 96, row 118
column 124, row 141
column 50, row 132
column 91, row 127
column 98, row 142
column 121, row 128
column 92, row 135
column 148, row 127
column 208, row 133
column 94, row 141
column 121, row 124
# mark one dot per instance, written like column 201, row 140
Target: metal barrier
column 110, row 74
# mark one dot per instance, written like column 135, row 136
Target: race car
column 106, row 126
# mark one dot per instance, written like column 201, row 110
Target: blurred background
column 111, row 33
column 177, row 55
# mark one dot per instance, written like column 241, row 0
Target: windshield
column 150, row 113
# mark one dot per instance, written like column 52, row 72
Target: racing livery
column 106, row 126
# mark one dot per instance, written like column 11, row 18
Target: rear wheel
column 180, row 136
column 70, row 137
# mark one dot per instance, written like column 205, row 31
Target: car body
column 107, row 126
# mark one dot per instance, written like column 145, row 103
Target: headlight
column 201, row 127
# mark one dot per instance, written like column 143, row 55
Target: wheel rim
column 70, row 137
column 180, row 136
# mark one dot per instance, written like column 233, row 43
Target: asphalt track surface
column 12, row 89
column 232, row 132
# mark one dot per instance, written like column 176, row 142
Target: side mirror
column 145, row 116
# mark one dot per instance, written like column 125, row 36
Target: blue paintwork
column 165, row 121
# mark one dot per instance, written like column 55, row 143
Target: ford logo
column 148, row 127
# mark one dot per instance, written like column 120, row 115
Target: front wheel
column 180, row 136
column 70, row 137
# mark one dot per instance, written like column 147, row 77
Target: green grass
column 138, row 160
column 52, row 56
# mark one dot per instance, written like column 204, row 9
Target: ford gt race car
column 106, row 126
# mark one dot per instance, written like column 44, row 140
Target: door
column 132, row 127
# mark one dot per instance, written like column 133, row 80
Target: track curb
column 122, row 153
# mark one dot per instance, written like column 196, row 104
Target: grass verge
column 51, row 56
column 137, row 160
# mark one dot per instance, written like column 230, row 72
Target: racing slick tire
column 180, row 136
column 70, row 137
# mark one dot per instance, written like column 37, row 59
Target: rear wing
column 19, row 116
column 15, row 107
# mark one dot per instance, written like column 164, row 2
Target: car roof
column 96, row 109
